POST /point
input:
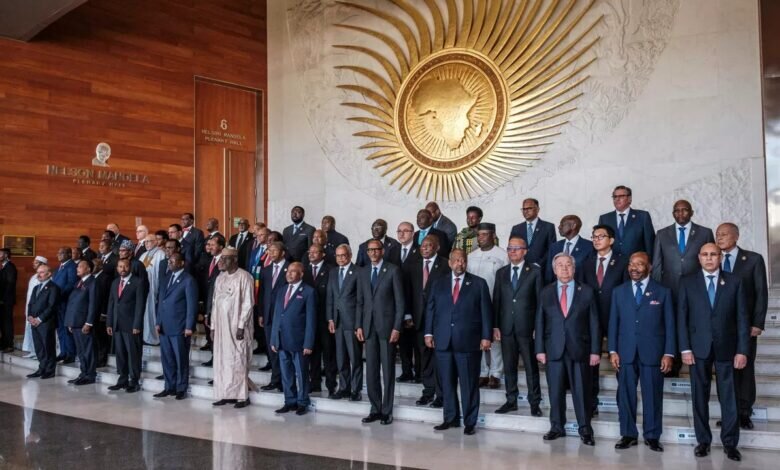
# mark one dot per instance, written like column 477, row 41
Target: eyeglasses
column 619, row 196
column 599, row 237
column 404, row 231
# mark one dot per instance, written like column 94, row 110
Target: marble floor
column 117, row 430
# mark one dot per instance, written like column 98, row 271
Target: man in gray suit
column 341, row 313
column 380, row 310
column 442, row 222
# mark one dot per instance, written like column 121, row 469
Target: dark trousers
column 45, row 347
column 6, row 326
column 323, row 354
column 127, row 347
column 67, row 345
column 426, row 358
column 578, row 375
column 410, row 354
column 175, row 355
column 85, row 351
column 380, row 355
column 259, row 332
column 651, row 380
column 746, row 382
column 514, row 348
column 349, row 357
column 294, row 368
column 273, row 358
column 102, row 343
column 460, row 368
column 701, row 383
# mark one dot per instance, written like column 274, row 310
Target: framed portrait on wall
column 20, row 245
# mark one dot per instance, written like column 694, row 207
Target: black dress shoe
column 746, row 423
column 164, row 393
column 47, row 376
column 506, row 408
column 371, row 418
column 356, row 397
column 339, row 395
column 116, row 387
column 35, row 374
column 404, row 379
column 594, row 412
column 536, row 411
column 160, row 377
column 242, row 403
column 302, row 410
column 132, row 388
column 266, row 368
column 73, row 381
column 702, row 450
column 208, row 363
column 455, row 423
column 85, row 381
column 733, row 454
column 552, row 435
column 181, row 395
column 269, row 387
column 424, row 401
column 258, row 351
column 286, row 409
column 222, row 402
column 315, row 390
column 210, row 382
column 625, row 442
column 654, row 445
column 388, row 419
column 69, row 360
column 587, row 439
column 59, row 358
column 437, row 403
column 469, row 430
column 206, row 347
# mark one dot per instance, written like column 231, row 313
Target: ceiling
column 23, row 19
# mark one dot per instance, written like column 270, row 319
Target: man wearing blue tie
column 713, row 329
column 572, row 244
column 537, row 233
column 633, row 227
column 642, row 344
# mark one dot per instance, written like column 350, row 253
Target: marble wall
column 672, row 109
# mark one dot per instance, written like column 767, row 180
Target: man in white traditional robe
column 232, row 330
column 151, row 259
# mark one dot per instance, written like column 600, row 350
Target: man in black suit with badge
column 633, row 227
column 297, row 236
column 126, row 305
column 538, row 234
column 42, row 316
column 390, row 246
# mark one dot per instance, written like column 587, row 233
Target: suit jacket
column 140, row 249
column 515, row 310
column 320, row 286
column 89, row 254
column 544, row 236
column 65, row 277
column 444, row 224
column 206, row 281
column 335, row 238
column 723, row 329
column 192, row 245
column 102, row 291
column 647, row 331
column 638, row 235
column 252, row 259
column 580, row 251
column 397, row 251
column 577, row 335
column 392, row 252
column 380, row 309
column 118, row 240
column 269, row 292
column 416, row 295
column 243, row 249
column 615, row 274
column 341, row 306
column 109, row 265
column 460, row 326
column 294, row 328
column 445, row 245
column 81, row 307
column 8, row 275
column 177, row 305
column 300, row 242
column 750, row 268
column 668, row 264
column 126, row 312
column 44, row 302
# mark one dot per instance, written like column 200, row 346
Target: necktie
column 289, row 294
column 374, row 277
column 600, row 271
column 456, row 291
column 711, row 290
column 211, row 266
column 80, row 285
column 170, row 281
column 515, row 277
column 567, row 250
column 727, row 263
column 421, row 237
column 341, row 277
column 681, row 242
column 121, row 287
column 621, row 225
column 314, row 272
column 240, row 239
column 403, row 254
column 295, row 230
column 275, row 276
column 530, row 233
column 426, row 272
column 638, row 294
column 564, row 301
column 37, row 291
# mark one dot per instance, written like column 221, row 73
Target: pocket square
column 655, row 302
column 298, row 296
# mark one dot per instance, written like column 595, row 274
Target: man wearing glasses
column 633, row 227
column 537, row 233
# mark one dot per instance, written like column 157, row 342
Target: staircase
column 678, row 419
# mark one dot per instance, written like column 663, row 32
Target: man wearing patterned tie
column 713, row 329
column 633, row 227
column 569, row 344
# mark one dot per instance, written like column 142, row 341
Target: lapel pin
column 384, row 270
column 527, row 268
column 647, row 294
column 612, row 262
column 722, row 282
column 579, row 287
column 633, row 216
column 349, row 272
column 468, row 283
column 744, row 258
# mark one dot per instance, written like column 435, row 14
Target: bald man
column 141, row 232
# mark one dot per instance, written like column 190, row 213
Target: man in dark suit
column 603, row 271
column 419, row 276
column 406, row 256
column 117, row 238
column 328, row 225
column 65, row 277
column 569, row 343
column 750, row 268
column 572, row 244
column 176, row 311
column 713, row 329
column 141, row 232
column 458, row 325
column 378, row 232
column 515, row 300
column 273, row 279
column 42, row 316
column 315, row 274
column 242, row 241
column 537, row 233
column 86, row 252
column 342, row 320
column 441, row 222
column 633, row 227
column 297, row 236
column 328, row 249
column 380, row 310
column 136, row 267
column 8, row 277
column 405, row 251
column 109, row 258
column 192, row 239
column 102, row 290
column 212, row 230
column 126, row 305
column 642, row 343
column 292, row 338
column 425, row 225
column 80, row 315
column 206, row 276
column 256, row 258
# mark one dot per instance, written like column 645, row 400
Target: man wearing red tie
column 207, row 276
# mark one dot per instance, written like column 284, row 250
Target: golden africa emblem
column 462, row 109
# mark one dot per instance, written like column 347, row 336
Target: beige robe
column 232, row 309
